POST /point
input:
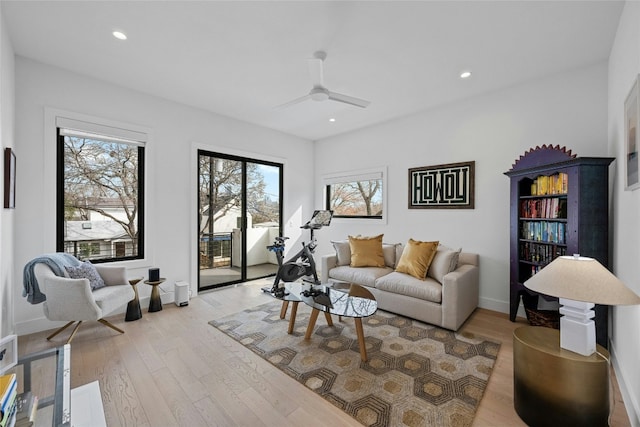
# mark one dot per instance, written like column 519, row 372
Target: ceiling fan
column 320, row 93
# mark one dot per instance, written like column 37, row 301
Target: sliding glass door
column 239, row 215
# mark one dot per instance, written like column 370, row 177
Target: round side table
column 155, row 302
column 557, row 387
column 133, row 308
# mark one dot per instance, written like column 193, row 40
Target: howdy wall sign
column 449, row 186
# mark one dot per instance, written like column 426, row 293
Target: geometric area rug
column 417, row 374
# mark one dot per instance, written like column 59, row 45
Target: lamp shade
column 581, row 279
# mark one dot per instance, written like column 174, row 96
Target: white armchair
column 73, row 300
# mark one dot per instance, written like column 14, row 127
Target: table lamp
column 579, row 283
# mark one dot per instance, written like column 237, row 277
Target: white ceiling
column 241, row 59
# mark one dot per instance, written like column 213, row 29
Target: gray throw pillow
column 343, row 252
column 445, row 261
column 86, row 270
column 389, row 252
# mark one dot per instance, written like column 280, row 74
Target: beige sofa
column 446, row 298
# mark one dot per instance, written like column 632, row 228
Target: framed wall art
column 449, row 186
column 9, row 178
column 631, row 121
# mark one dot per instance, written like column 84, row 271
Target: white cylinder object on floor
column 182, row 293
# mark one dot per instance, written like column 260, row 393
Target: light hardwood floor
column 171, row 368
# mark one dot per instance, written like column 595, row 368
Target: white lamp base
column 577, row 330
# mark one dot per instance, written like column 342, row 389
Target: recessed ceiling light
column 119, row 35
column 465, row 74
column 332, row 120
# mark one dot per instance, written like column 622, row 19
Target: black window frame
column 60, row 221
column 328, row 206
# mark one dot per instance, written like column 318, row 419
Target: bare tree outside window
column 235, row 195
column 220, row 182
column 359, row 199
column 102, row 198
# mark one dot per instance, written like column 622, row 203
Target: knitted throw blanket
column 56, row 261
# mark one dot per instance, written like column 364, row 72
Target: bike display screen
column 321, row 218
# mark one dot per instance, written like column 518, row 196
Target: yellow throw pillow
column 416, row 258
column 366, row 251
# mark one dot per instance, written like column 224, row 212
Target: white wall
column 7, row 96
column 624, row 66
column 494, row 130
column 176, row 131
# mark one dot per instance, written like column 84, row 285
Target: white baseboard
column 40, row 324
column 494, row 304
column 32, row 326
column 631, row 401
column 499, row 306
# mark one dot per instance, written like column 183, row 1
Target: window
column 358, row 195
column 88, row 249
column 100, row 192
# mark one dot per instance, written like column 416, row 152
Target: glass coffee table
column 343, row 300
column 292, row 294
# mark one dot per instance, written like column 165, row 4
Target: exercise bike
column 301, row 265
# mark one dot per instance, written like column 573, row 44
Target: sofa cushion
column 365, row 276
column 343, row 252
column 112, row 298
column 366, row 251
column 404, row 284
column 444, row 262
column 86, row 270
column 399, row 250
column 390, row 251
column 416, row 258
column 112, row 275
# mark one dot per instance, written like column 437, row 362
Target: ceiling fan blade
column 295, row 101
column 315, row 71
column 348, row 99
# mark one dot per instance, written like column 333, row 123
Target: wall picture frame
column 631, row 125
column 446, row 186
column 9, row 179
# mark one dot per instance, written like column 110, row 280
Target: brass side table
column 155, row 302
column 133, row 308
column 557, row 387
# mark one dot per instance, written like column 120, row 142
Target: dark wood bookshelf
column 585, row 227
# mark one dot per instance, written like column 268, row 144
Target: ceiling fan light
column 319, row 94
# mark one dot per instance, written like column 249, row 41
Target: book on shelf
column 553, row 184
column 544, row 231
column 540, row 252
column 543, row 185
column 552, row 208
